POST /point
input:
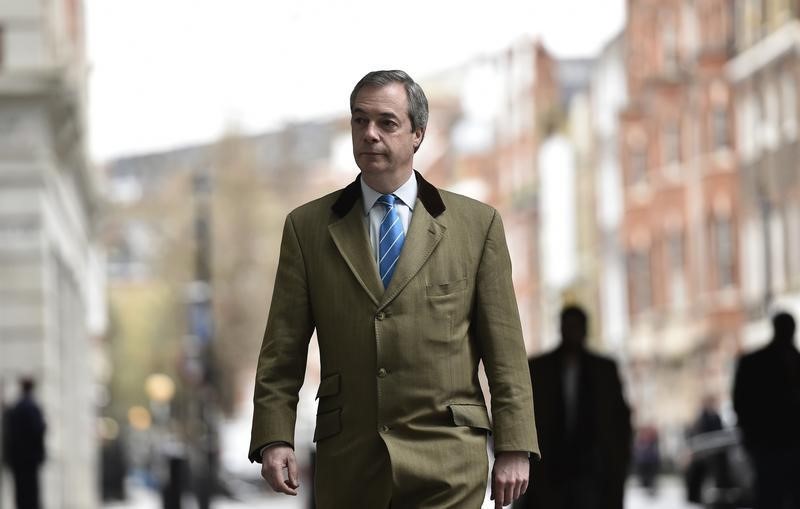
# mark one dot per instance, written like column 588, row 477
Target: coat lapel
column 424, row 234
column 350, row 236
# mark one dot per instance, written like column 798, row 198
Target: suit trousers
column 26, row 487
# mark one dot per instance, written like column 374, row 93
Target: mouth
column 371, row 153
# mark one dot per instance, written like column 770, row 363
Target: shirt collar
column 407, row 194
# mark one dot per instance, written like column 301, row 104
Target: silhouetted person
column 647, row 457
column 24, row 446
column 583, row 424
column 713, row 465
column 766, row 397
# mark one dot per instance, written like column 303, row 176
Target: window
column 789, row 105
column 672, row 144
column 719, row 123
column 724, row 250
column 638, row 165
column 669, row 44
column 771, row 115
column 639, row 281
column 676, row 272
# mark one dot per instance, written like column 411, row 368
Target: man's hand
column 274, row 460
column 509, row 477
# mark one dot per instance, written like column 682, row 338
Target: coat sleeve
column 282, row 361
column 499, row 334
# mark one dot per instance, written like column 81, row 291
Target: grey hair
column 417, row 102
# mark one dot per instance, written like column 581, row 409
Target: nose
column 371, row 132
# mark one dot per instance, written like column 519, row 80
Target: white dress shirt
column 407, row 194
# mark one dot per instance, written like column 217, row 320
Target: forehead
column 386, row 99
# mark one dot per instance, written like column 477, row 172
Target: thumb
column 294, row 477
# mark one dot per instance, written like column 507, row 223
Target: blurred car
column 718, row 474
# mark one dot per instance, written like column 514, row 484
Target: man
column 408, row 287
column 705, row 465
column 23, row 431
column 766, row 398
column 583, row 422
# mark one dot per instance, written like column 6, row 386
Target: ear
column 419, row 135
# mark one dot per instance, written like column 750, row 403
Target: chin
column 372, row 168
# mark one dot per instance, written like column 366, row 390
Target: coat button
column 382, row 373
column 381, row 315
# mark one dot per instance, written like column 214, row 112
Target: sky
column 169, row 73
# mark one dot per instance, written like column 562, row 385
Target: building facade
column 681, row 212
column 47, row 260
column 764, row 75
column 608, row 96
column 488, row 122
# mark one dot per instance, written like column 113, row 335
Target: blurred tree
column 146, row 299
column 247, row 219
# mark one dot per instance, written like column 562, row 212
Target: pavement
column 140, row 497
column 669, row 494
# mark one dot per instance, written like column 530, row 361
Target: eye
column 359, row 120
column 390, row 124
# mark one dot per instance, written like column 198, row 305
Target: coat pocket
column 441, row 289
column 328, row 424
column 474, row 416
column 329, row 386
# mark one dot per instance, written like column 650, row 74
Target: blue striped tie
column 391, row 239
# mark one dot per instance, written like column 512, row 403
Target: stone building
column 764, row 75
column 48, row 265
column 608, row 95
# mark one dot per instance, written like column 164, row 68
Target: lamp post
column 160, row 390
column 198, row 357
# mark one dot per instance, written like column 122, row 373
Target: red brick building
column 490, row 154
column 681, row 207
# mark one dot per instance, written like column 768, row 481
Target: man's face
column 573, row 333
column 383, row 141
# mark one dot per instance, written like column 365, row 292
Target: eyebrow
column 384, row 114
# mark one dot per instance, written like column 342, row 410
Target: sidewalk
column 140, row 497
column 670, row 494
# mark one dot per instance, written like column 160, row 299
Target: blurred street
column 669, row 495
column 143, row 498
column 650, row 178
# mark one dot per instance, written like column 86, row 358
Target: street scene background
column 642, row 153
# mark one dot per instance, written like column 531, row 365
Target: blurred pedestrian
column 707, row 465
column 647, row 457
column 409, row 288
column 583, row 423
column 766, row 398
column 23, row 438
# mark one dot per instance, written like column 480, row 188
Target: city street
column 142, row 498
column 670, row 495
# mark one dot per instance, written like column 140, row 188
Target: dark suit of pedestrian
column 401, row 415
column 24, row 429
column 584, row 465
column 766, row 398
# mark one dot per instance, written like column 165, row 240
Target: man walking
column 409, row 288
column 584, row 424
column 23, row 431
column 766, row 398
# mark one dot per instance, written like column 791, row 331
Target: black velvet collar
column 426, row 192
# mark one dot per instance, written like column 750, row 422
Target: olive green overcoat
column 401, row 416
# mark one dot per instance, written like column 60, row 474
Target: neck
column 386, row 183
